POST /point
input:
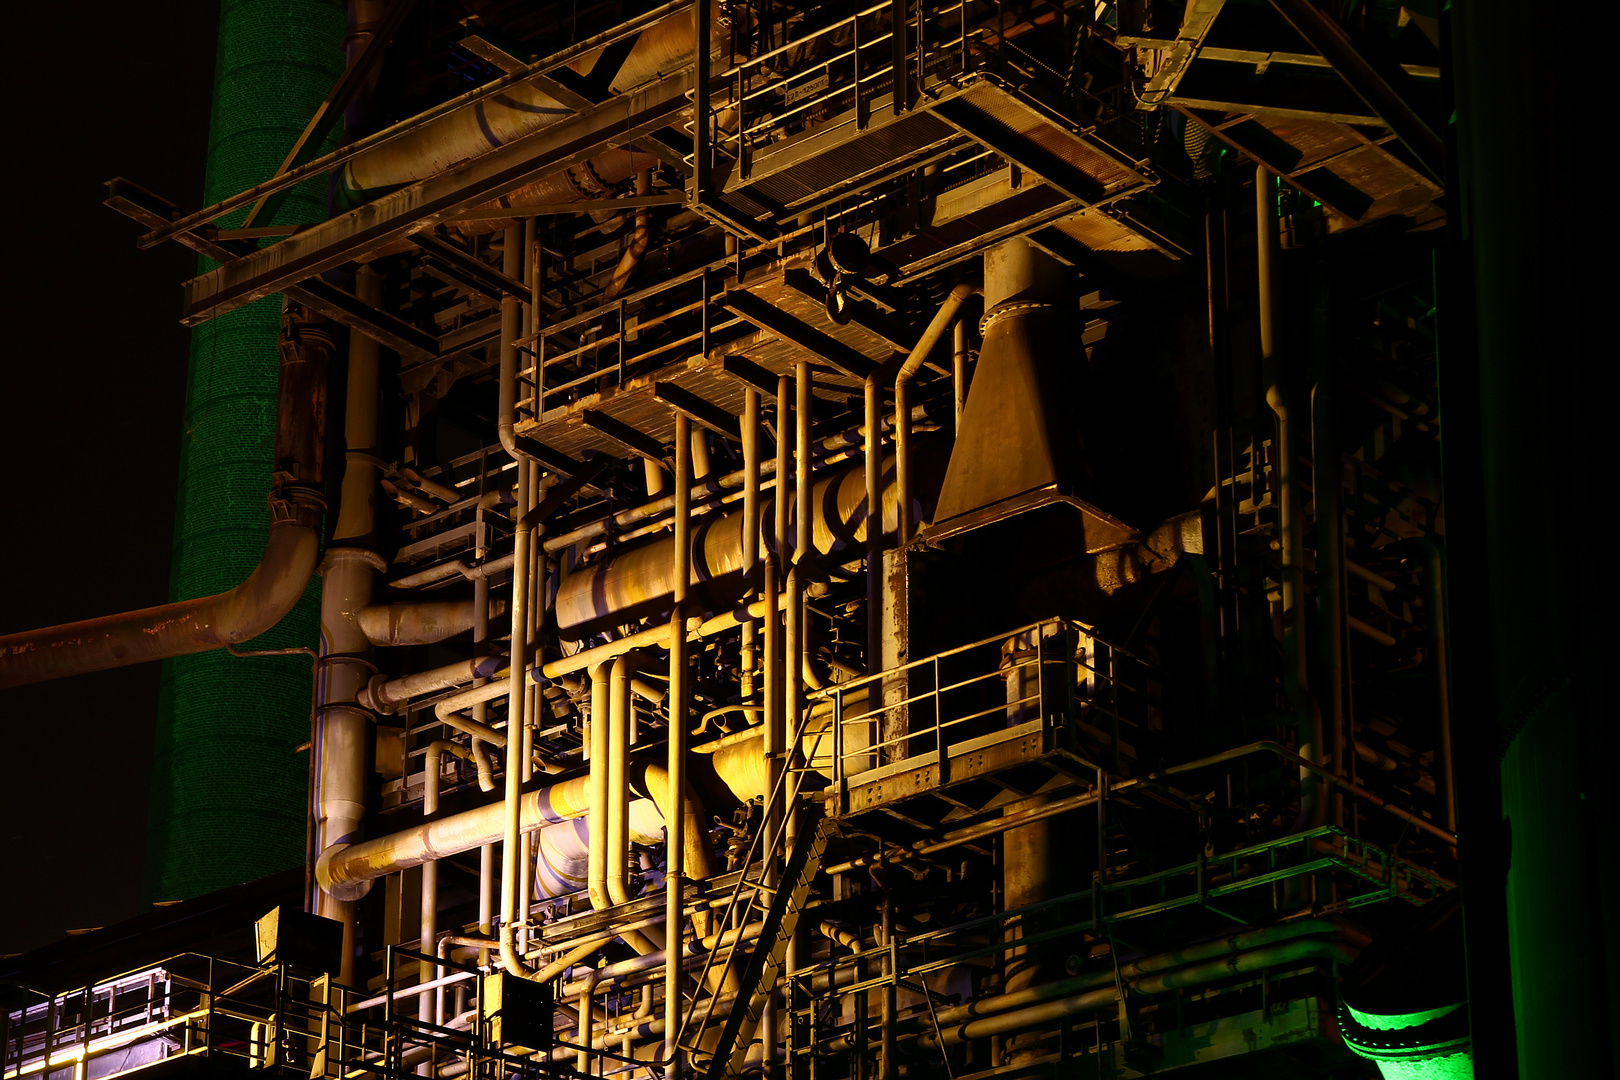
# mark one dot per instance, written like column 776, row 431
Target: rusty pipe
column 229, row 618
column 636, row 249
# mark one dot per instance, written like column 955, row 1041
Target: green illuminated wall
column 228, row 789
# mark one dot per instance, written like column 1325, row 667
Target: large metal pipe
column 597, row 740
column 639, row 579
column 239, row 614
column 750, row 536
column 679, row 707
column 342, row 867
column 387, row 695
column 433, row 147
column 421, row 622
column 343, row 733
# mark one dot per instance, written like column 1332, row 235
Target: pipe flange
column 1016, row 308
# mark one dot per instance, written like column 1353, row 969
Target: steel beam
column 397, row 215
column 856, row 365
column 704, row 412
column 863, row 315
column 625, row 435
column 412, row 344
column 1326, row 37
column 752, row 375
column 481, row 276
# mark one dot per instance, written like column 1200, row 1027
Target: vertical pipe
column 599, row 789
column 774, row 737
column 959, row 375
column 514, row 258
column 750, row 539
column 679, row 707
column 617, row 761
column 516, row 701
column 343, row 729
column 797, row 645
column 889, row 1065
column 480, row 712
column 902, row 460
column 1307, row 717
column 784, row 388
column 874, row 528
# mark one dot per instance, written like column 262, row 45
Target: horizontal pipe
column 258, row 603
column 347, row 865
column 420, row 622
column 351, row 864
column 386, row 695
column 1040, row 1005
column 178, row 629
column 639, row 580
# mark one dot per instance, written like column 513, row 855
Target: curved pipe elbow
column 941, row 322
column 261, row 601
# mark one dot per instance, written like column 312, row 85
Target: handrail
column 777, row 787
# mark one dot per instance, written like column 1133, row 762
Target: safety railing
column 597, row 350
column 191, row 1005
column 1050, row 673
column 848, row 66
column 755, row 888
column 1362, row 872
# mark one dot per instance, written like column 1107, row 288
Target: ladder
column 764, row 967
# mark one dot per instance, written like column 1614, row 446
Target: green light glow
column 228, row 792
column 1404, row 1020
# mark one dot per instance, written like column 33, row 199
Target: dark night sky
column 90, row 425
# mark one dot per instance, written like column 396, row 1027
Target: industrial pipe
column 521, row 109
column 239, row 614
column 344, row 865
column 748, row 684
column 636, row 249
column 1053, row 1002
column 679, row 707
column 423, row 622
column 427, row 939
column 942, row 320
column 597, row 740
column 386, row 695
column 1307, row 717
column 639, row 579
column 617, row 877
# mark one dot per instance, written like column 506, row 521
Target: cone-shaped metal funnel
column 1020, row 431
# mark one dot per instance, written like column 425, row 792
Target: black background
column 90, row 405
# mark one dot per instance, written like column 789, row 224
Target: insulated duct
column 519, row 111
column 638, row 582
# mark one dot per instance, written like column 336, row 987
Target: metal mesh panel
column 228, row 791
